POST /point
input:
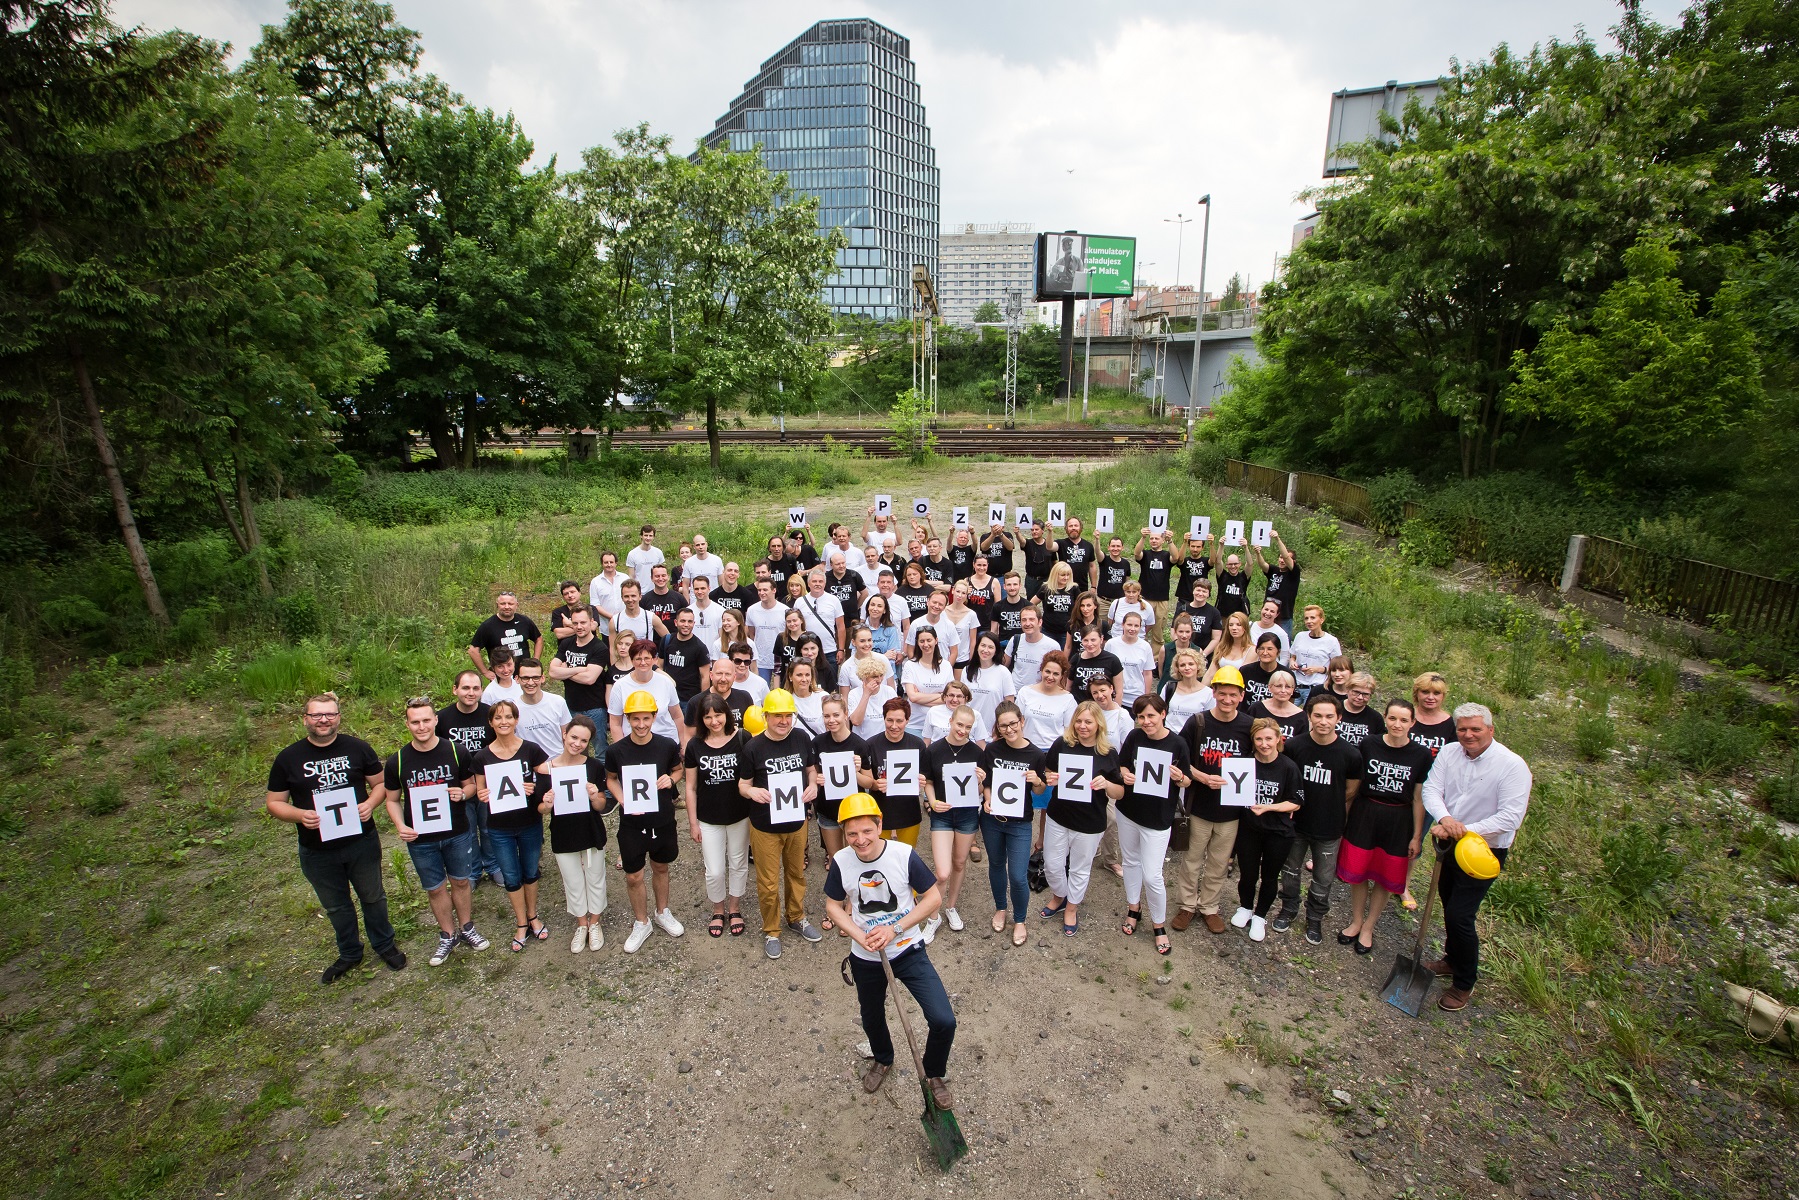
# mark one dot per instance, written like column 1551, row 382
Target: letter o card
column 959, row 518
column 431, row 808
column 796, row 517
column 1233, row 533
column 961, row 786
column 1261, row 533
column 639, row 783
column 837, row 771
column 996, row 514
column 1009, row 792
column 883, row 506
column 505, row 786
column 338, row 817
column 1239, row 782
column 786, row 797
column 1058, row 514
column 1102, row 520
column 1152, row 771
column 921, row 507
column 1074, row 778
column 1158, row 520
column 568, row 785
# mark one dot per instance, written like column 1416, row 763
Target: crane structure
column 925, row 316
column 1014, row 327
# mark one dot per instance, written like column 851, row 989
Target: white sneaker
column 954, row 918
column 1242, row 916
column 1258, row 928
column 930, row 929
column 640, row 933
column 670, row 926
column 595, row 939
column 580, row 942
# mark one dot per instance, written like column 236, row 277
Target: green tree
column 988, row 313
column 1644, row 375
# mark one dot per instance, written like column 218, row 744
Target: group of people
column 1088, row 704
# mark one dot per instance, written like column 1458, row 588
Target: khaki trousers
column 1208, row 857
column 779, row 854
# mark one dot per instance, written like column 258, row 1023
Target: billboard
column 1083, row 264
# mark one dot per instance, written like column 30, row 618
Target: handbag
column 1180, row 834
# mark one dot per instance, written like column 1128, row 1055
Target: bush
column 1387, row 497
column 1521, row 667
column 1525, row 901
column 1359, row 616
column 1637, row 861
column 103, row 798
column 1781, row 792
column 1520, row 522
column 908, row 423
column 299, row 615
column 1710, row 745
column 1206, row 461
column 1424, row 545
column 1323, row 532
column 287, row 675
column 1594, row 734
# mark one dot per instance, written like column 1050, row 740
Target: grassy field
column 162, row 1032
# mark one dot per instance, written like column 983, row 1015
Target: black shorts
column 640, row 842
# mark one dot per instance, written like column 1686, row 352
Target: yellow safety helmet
column 858, row 804
column 778, row 701
column 639, row 701
column 1475, row 857
column 753, row 720
column 1228, row 674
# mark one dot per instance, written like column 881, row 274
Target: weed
column 1710, row 744
column 1521, row 677
column 1637, row 862
column 1520, row 898
column 1780, row 792
column 1785, row 858
column 102, row 798
column 286, row 675
column 1648, row 1120
column 1594, row 734
column 1499, row 1169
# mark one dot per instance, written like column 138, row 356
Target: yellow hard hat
column 638, row 702
column 1228, row 674
column 778, row 701
column 1475, row 857
column 858, row 804
column 753, row 720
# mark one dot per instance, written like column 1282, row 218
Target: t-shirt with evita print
column 1325, row 772
column 304, row 770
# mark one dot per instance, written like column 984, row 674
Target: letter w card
column 1239, row 782
column 1074, row 778
column 338, row 817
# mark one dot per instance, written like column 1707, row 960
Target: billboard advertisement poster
column 1079, row 265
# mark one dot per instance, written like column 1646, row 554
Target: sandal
column 1162, row 946
column 539, row 930
column 1071, row 930
column 1019, row 933
column 1132, row 919
column 999, row 921
column 716, row 926
column 1049, row 912
column 519, row 943
column 824, row 923
column 737, row 925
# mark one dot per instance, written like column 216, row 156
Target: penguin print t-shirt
column 880, row 892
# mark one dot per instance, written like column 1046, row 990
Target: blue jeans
column 440, row 861
column 956, row 820
column 596, row 749
column 486, row 861
column 353, row 864
column 1008, row 841
column 521, row 854
column 914, row 969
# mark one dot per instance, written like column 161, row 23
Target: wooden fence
column 1701, row 592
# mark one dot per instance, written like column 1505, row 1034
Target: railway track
column 959, row 442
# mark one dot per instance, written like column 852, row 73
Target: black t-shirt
column 1083, row 671
column 1078, row 555
column 807, row 556
column 1112, row 574
column 851, row 744
column 1283, row 587
column 469, row 731
column 715, row 771
column 1210, row 741
column 999, row 558
column 411, row 767
column 531, row 756
column 1081, row 817
column 940, row 753
column 764, row 757
column 1255, row 682
column 1359, row 728
column 1290, row 726
column 560, row 614
column 1058, row 609
column 664, row 605
column 684, row 661
column 304, row 769
column 1155, row 568
column 1151, row 812
column 1005, row 619
column 663, row 753
column 847, row 589
column 585, row 697
column 738, row 598
column 1039, row 557
column 912, row 601
column 1194, row 568
column 1276, row 783
column 1027, row 758
column 961, row 561
column 1390, row 772
column 516, row 635
column 938, row 570
column 1324, row 775
column 571, row 833
column 1207, row 620
column 738, row 702
column 1232, row 592
column 897, row 812
column 780, row 570
column 1434, row 737
column 980, row 603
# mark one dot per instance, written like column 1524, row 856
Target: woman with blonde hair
column 1187, row 696
column 1234, row 648
column 868, row 699
column 1057, row 596
column 1083, row 768
column 1433, row 728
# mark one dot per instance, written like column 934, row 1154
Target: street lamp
column 1199, row 318
column 1180, row 221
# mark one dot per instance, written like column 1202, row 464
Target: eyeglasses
column 530, row 678
column 321, row 716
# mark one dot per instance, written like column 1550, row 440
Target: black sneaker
column 338, row 970
column 395, row 958
column 1314, row 931
column 1281, row 923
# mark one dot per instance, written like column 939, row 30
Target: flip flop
column 737, row 925
column 716, row 926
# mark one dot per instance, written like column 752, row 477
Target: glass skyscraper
column 838, row 110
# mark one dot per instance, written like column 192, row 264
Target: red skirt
column 1376, row 839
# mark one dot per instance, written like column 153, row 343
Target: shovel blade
column 944, row 1134
column 1408, row 983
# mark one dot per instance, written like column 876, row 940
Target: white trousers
column 726, row 849
column 1068, row 859
column 584, row 882
column 1141, row 852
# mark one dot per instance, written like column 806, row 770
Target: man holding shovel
column 881, row 892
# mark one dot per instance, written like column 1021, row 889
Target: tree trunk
column 246, row 508
column 712, row 427
column 468, row 431
column 443, row 444
column 218, row 498
column 115, row 482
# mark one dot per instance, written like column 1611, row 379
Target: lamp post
column 1199, row 318
column 1180, row 221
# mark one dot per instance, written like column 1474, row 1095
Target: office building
column 838, row 110
column 979, row 263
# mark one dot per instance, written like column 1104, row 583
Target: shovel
column 1409, row 982
column 940, row 1127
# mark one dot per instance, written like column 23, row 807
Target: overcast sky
column 1105, row 118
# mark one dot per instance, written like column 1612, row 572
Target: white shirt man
column 541, row 714
column 642, row 557
column 703, row 563
column 707, row 616
column 822, row 612
column 765, row 620
column 853, row 558
column 1029, row 649
column 1484, row 792
column 602, row 592
column 644, row 677
column 878, row 533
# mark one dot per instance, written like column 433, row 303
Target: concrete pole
column 1199, row 320
column 1577, row 558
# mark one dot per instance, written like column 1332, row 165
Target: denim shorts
column 448, row 858
column 520, row 852
column 826, row 812
column 957, row 820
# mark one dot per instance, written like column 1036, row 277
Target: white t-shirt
column 542, row 722
column 987, row 689
column 936, row 724
column 925, row 680
column 1119, row 724
column 1311, row 657
column 1184, row 707
column 966, row 626
column 853, row 558
column 711, row 566
column 948, row 636
column 493, row 691
column 661, row 687
column 1046, row 717
column 1257, row 633
column 873, row 720
column 1119, row 607
column 809, row 713
column 754, row 686
column 765, row 625
column 639, row 562
column 821, row 614
column 643, row 625
column 1137, row 658
column 707, row 621
column 880, row 892
column 1027, row 659
column 602, row 593
column 848, row 680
